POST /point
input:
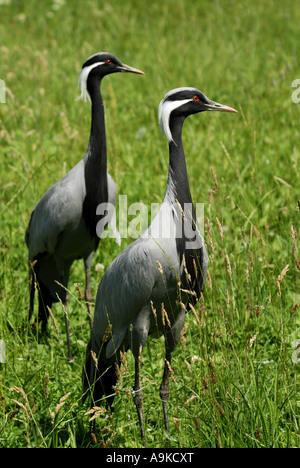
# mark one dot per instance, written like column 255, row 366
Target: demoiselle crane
column 157, row 278
column 63, row 223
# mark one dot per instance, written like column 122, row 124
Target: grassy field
column 235, row 374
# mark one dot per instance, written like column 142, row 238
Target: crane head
column 182, row 102
column 99, row 65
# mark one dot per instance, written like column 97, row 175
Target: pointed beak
column 215, row 106
column 127, row 68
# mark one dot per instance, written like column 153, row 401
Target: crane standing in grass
column 62, row 226
column 159, row 277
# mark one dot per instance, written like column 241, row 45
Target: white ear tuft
column 164, row 112
column 83, row 77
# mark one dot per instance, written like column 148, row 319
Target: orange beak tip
column 230, row 109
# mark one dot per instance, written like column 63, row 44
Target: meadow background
column 235, row 374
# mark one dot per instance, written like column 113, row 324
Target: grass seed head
column 153, row 309
column 220, row 229
column 46, row 385
column 228, row 267
column 124, row 362
column 219, row 407
column 209, row 282
column 215, row 189
column 107, row 333
column 280, row 278
column 176, row 422
column 96, row 411
column 294, row 246
column 210, row 240
column 53, row 321
column 119, row 376
column 61, row 403
column 164, row 316
column 94, row 357
column 160, row 268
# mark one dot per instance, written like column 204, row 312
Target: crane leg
column 164, row 392
column 31, row 292
column 172, row 337
column 65, row 304
column 138, row 398
column 45, row 303
column 88, row 291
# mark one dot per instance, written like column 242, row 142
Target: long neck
column 96, row 161
column 178, row 184
column 188, row 242
column 97, row 141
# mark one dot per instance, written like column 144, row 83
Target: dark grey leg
column 88, row 291
column 137, row 339
column 172, row 337
column 164, row 391
column 31, row 291
column 138, row 398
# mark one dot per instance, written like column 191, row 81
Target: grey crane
column 63, row 223
column 158, row 277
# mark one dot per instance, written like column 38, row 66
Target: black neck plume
column 96, row 162
column 188, row 244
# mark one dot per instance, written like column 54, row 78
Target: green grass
column 234, row 384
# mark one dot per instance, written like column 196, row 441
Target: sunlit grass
column 234, row 383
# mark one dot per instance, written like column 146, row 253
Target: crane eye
column 195, row 98
column 108, row 62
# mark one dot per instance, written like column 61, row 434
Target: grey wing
column 125, row 289
column 59, row 209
